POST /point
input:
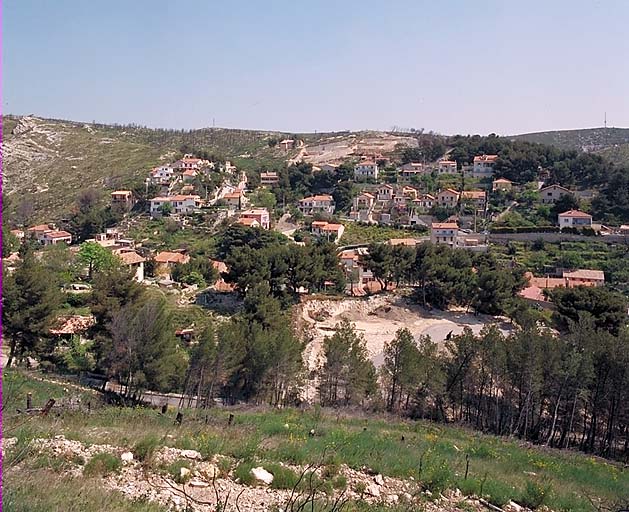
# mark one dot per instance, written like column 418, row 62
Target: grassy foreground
column 438, row 456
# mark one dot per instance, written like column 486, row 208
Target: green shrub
column 535, row 495
column 339, row 482
column 283, row 477
column 438, row 478
column 146, row 448
column 243, row 473
column 498, row 493
column 102, row 464
column 174, row 470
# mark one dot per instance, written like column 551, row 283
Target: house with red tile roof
column 322, row 203
column 181, row 204
column 502, row 184
column 122, row 198
column 259, row 215
column 483, row 166
column 448, row 198
column 235, row 200
column 477, row 198
column 444, row 233
column 331, row 231
column 446, row 167
column 166, row 261
column 574, row 219
column 250, row 223
column 134, row 261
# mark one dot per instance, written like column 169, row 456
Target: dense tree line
column 446, row 277
column 563, row 391
column 254, row 256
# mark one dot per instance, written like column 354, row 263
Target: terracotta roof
column 533, row 293
column 121, row 193
column 332, row 227
column 502, row 180
column 319, row 223
column 576, row 214
column 58, row 234
column 131, row 258
column 594, row 275
column 368, row 194
column 171, row 257
column 190, row 172
column 39, row 227
column 233, row 195
column 444, row 225
column 247, row 221
column 321, row 197
column 450, row 190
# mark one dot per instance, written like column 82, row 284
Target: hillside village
column 433, row 280
column 443, row 202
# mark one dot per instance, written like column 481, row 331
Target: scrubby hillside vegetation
column 94, row 457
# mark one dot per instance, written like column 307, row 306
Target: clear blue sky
column 468, row 66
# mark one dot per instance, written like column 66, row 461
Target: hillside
column 591, row 139
column 131, row 459
column 48, row 162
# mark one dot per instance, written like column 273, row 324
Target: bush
column 283, row 477
column 438, row 478
column 174, row 470
column 242, row 473
column 535, row 495
column 146, row 447
column 102, row 464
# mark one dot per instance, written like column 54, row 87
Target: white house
column 260, row 215
column 323, row 203
column 366, row 169
column 161, row 175
column 446, row 167
column 333, row 232
column 484, row 166
column 574, row 219
column 188, row 162
column 54, row 237
column 182, row 204
column 444, row 233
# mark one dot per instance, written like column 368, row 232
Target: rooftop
column 576, row 214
